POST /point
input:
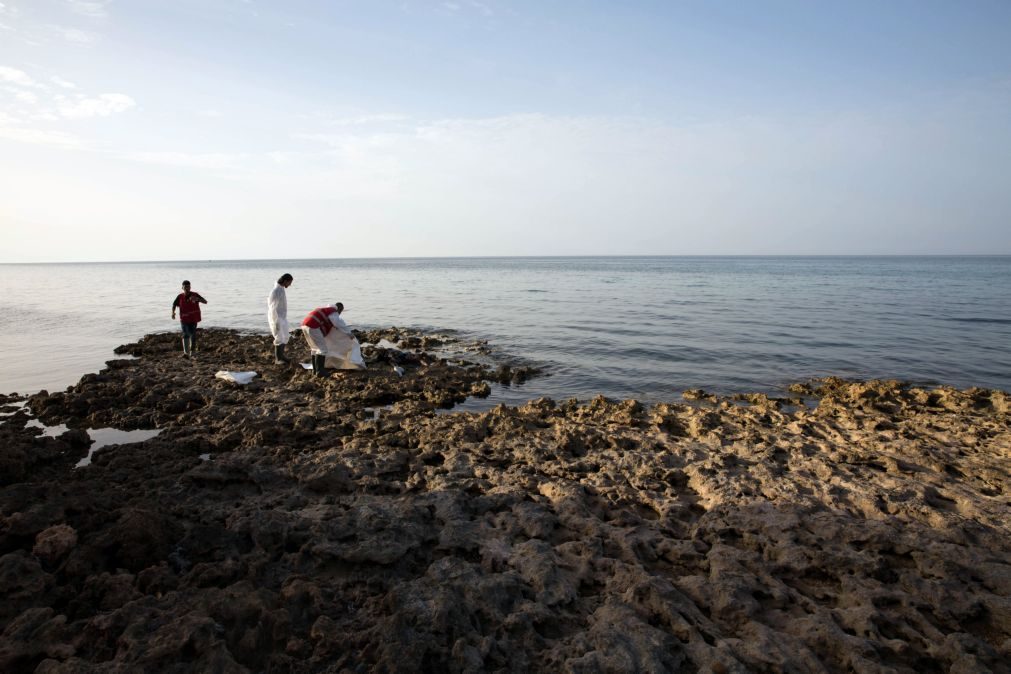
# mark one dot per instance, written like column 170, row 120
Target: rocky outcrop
column 302, row 525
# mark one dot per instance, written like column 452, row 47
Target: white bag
column 343, row 351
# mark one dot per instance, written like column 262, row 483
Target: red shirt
column 189, row 308
column 319, row 318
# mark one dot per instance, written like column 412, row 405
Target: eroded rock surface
column 287, row 526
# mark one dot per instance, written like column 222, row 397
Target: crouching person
column 316, row 326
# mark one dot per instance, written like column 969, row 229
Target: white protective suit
column 277, row 315
column 341, row 348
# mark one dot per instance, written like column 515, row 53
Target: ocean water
column 626, row 327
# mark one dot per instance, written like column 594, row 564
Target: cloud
column 15, row 76
column 369, row 119
column 352, row 118
column 38, row 136
column 33, row 111
column 95, row 9
column 354, row 139
column 208, row 161
column 585, row 184
column 15, row 128
column 10, row 12
column 102, row 105
column 331, row 139
column 60, row 82
column 738, row 183
column 74, row 35
column 454, row 7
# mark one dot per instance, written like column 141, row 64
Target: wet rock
column 76, row 438
column 334, row 479
column 343, row 525
column 700, row 423
column 668, row 419
column 139, row 538
column 33, row 636
column 22, row 583
column 157, row 580
column 698, row 394
column 107, row 591
column 54, row 543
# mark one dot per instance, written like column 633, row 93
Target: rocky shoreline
column 347, row 524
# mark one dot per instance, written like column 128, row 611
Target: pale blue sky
column 200, row 129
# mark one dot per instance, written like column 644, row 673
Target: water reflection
column 103, row 437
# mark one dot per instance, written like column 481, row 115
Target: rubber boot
column 315, row 365
column 193, row 345
column 322, row 366
column 186, row 346
column 279, row 358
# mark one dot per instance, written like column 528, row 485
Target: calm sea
column 642, row 327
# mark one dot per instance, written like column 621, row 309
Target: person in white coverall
column 277, row 317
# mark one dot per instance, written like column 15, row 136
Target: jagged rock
column 343, row 525
column 54, row 543
column 76, row 438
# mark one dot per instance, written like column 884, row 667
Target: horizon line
column 509, row 257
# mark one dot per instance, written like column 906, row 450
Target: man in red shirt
column 188, row 303
column 316, row 326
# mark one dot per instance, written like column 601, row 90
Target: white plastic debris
column 399, row 370
column 387, row 344
column 241, row 378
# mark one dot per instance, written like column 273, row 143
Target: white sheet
column 343, row 351
column 241, row 378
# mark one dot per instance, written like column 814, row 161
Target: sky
column 248, row 129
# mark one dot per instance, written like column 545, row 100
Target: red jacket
column 189, row 309
column 319, row 318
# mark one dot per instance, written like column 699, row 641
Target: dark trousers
column 189, row 337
